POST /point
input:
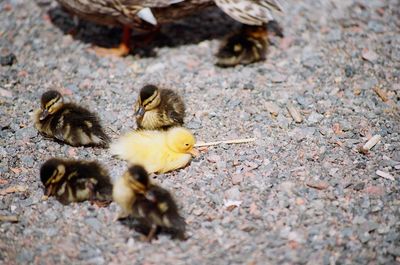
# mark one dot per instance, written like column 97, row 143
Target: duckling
column 158, row 108
column 76, row 181
column 248, row 46
column 157, row 151
column 67, row 122
column 153, row 206
column 122, row 192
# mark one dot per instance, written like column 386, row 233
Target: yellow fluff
column 156, row 151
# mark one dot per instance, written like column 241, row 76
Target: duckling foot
column 151, row 234
column 100, row 203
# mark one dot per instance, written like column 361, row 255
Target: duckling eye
column 186, row 144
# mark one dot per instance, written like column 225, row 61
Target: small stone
column 334, row 35
column 369, row 55
column 317, row 184
column 369, row 226
column 364, row 237
column 213, row 158
column 394, row 250
column 315, row 117
column 248, row 86
column 359, row 186
column 233, row 194
column 278, row 77
column 94, row 223
column 8, row 60
column 237, row 178
column 272, row 108
column 5, row 93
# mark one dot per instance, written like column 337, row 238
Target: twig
column 385, row 175
column 9, row 218
column 235, row 141
column 381, row 93
column 13, row 189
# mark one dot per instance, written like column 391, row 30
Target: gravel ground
column 302, row 193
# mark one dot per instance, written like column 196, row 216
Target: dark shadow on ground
column 210, row 23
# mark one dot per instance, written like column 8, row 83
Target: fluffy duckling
column 248, row 46
column 67, row 122
column 76, row 181
column 158, row 108
column 157, row 151
column 153, row 206
column 122, row 191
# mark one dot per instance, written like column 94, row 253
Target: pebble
column 314, row 118
column 8, row 60
column 243, row 203
column 233, row 194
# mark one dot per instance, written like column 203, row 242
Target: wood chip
column 385, row 175
column 272, row 108
column 294, row 112
column 12, row 189
column 9, row 218
column 381, row 93
column 318, row 184
column 336, row 129
column 3, row 181
column 234, row 141
column 371, row 143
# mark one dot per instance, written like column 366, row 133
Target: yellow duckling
column 158, row 108
column 157, row 151
column 67, row 122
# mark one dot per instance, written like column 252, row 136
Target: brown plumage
column 248, row 46
column 150, row 14
column 158, row 108
column 153, row 207
column 76, row 181
column 69, row 123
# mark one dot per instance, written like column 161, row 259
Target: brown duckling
column 158, row 108
column 152, row 206
column 248, row 46
column 76, row 181
column 68, row 122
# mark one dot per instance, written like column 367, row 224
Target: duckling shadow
column 210, row 23
column 144, row 230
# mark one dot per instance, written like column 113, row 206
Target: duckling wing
column 80, row 127
column 168, row 210
column 173, row 106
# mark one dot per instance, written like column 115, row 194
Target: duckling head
column 180, row 140
column 51, row 172
column 137, row 179
column 149, row 98
column 51, row 102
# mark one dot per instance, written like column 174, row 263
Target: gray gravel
column 301, row 194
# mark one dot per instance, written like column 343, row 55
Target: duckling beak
column 194, row 152
column 140, row 112
column 44, row 114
